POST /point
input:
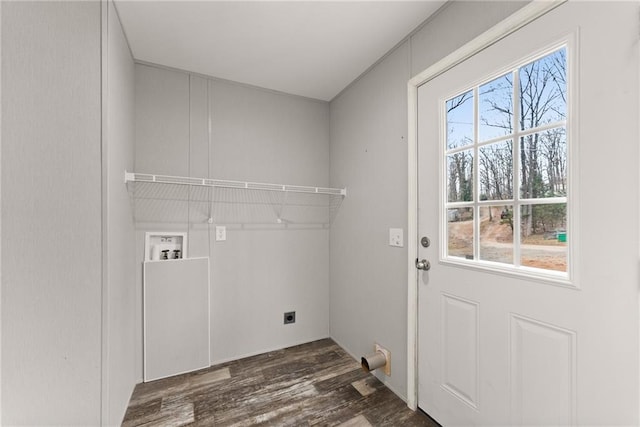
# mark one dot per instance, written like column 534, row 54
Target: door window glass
column 460, row 120
column 506, row 169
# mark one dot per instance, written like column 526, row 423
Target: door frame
column 519, row 19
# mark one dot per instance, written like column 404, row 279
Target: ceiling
column 308, row 48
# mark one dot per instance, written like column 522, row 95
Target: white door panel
column 501, row 349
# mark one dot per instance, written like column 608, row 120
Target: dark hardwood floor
column 314, row 384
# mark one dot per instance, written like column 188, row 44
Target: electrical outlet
column 221, row 233
column 396, row 237
column 289, row 317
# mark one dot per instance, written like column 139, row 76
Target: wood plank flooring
column 314, row 384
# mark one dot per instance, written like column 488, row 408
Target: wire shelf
column 172, row 199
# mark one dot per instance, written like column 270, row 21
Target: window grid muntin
column 517, row 201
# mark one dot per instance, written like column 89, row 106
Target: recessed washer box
column 174, row 243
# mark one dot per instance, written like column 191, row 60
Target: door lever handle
column 423, row 265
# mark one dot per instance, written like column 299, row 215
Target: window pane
column 460, row 176
column 506, row 151
column 460, row 232
column 496, row 108
column 543, row 163
column 495, row 171
column 496, row 234
column 543, row 90
column 460, row 120
column 544, row 236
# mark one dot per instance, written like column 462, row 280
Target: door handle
column 423, row 265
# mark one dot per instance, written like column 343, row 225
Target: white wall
column 258, row 274
column 261, row 270
column 120, row 297
column 369, row 156
column 71, row 228
column 51, row 213
column 161, row 147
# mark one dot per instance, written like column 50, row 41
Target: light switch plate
column 221, row 233
column 396, row 237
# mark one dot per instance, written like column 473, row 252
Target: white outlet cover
column 396, row 237
column 221, row 233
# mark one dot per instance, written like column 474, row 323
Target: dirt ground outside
column 542, row 250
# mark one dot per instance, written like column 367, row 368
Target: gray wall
column 262, row 269
column 69, row 216
column 51, row 213
column 120, row 296
column 368, row 124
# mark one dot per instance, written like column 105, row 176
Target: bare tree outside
column 532, row 98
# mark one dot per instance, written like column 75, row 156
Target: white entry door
column 528, row 191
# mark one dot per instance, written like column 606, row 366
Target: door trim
column 522, row 17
